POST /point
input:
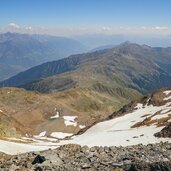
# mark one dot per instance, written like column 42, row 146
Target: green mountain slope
column 128, row 65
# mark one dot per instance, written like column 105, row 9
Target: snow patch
column 46, row 139
column 161, row 116
column 70, row 120
column 17, row 139
column 60, row 135
column 139, row 106
column 42, row 134
column 167, row 92
column 55, row 116
column 167, row 98
column 165, row 111
column 82, row 126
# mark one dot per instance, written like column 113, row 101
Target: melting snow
column 70, row 120
column 16, row 148
column 160, row 116
column 42, row 134
column 82, row 126
column 165, row 111
column 17, row 139
column 118, row 131
column 139, row 106
column 167, row 98
column 60, row 135
column 167, row 92
column 46, row 139
column 55, row 116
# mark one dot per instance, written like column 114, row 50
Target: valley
column 143, row 121
column 71, row 97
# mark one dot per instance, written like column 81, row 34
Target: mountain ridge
column 133, row 54
column 25, row 51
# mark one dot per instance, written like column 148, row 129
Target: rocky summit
column 151, row 157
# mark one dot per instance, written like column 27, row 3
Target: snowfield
column 16, row 148
column 120, row 131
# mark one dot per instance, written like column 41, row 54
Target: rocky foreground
column 152, row 157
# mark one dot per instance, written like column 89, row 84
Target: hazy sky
column 86, row 16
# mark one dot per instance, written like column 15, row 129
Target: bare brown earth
column 28, row 112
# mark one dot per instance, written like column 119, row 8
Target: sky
column 86, row 16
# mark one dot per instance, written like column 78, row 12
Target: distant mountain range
column 100, row 82
column 127, row 65
column 19, row 52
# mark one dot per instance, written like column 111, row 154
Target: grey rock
column 86, row 166
column 76, row 158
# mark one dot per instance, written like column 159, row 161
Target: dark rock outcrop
column 165, row 132
column 38, row 159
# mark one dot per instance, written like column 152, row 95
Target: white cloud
column 14, row 25
column 155, row 28
column 144, row 28
column 28, row 28
column 161, row 28
column 106, row 28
